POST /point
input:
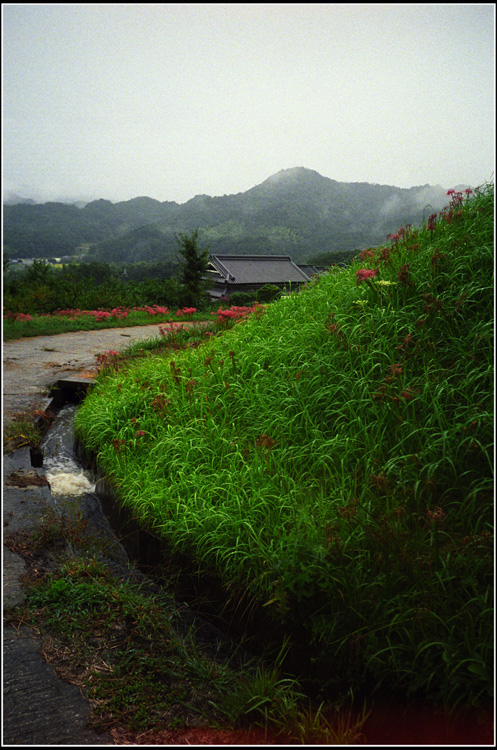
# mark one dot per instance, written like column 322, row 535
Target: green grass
column 51, row 325
column 120, row 642
column 332, row 457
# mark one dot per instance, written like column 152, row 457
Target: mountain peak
column 295, row 178
column 293, row 174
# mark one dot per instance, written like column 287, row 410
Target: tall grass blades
column 332, row 455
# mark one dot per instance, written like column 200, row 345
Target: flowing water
column 62, row 467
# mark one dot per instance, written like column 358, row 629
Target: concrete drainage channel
column 39, row 707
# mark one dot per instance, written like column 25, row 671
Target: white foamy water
column 62, row 467
column 69, row 483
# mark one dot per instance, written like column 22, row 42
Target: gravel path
column 31, row 365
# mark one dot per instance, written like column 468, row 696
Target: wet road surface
column 32, row 365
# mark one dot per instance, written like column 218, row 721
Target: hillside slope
column 331, row 457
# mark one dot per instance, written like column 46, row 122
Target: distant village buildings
column 52, row 260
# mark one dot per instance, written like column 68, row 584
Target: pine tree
column 194, row 262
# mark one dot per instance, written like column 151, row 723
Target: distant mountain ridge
column 12, row 199
column 295, row 212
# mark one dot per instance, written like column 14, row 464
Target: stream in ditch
column 62, row 466
column 391, row 722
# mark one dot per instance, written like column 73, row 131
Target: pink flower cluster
column 24, row 317
column 458, row 196
column 99, row 314
column 186, row 311
column 235, row 312
column 365, row 274
column 153, row 310
column 171, row 328
column 117, row 313
column 105, row 358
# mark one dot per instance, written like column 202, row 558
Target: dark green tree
column 193, row 264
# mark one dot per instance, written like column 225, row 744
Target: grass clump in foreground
column 332, row 456
column 117, row 639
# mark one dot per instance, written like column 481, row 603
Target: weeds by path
column 20, row 325
column 115, row 635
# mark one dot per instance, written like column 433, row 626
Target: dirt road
column 32, row 365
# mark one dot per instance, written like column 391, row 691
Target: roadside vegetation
column 329, row 458
column 23, row 325
column 147, row 671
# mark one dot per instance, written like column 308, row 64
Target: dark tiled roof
column 257, row 269
column 312, row 270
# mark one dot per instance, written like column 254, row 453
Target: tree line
column 43, row 288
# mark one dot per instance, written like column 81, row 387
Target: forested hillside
column 296, row 211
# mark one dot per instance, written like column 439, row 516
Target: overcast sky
column 171, row 100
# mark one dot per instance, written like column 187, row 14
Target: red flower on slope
column 364, row 274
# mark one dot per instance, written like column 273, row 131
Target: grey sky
column 172, row 100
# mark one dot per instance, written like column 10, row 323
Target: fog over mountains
column 295, row 212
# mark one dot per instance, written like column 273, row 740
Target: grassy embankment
column 333, row 457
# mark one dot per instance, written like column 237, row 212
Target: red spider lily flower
column 404, row 275
column 384, row 255
column 431, row 222
column 408, row 394
column 379, row 480
column 140, row 433
column 407, row 342
column 103, row 359
column 265, row 441
column 369, row 253
column 450, row 192
column 396, row 369
column 365, row 274
column 435, row 516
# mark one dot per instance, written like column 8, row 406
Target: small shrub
column 268, row 293
column 243, row 299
